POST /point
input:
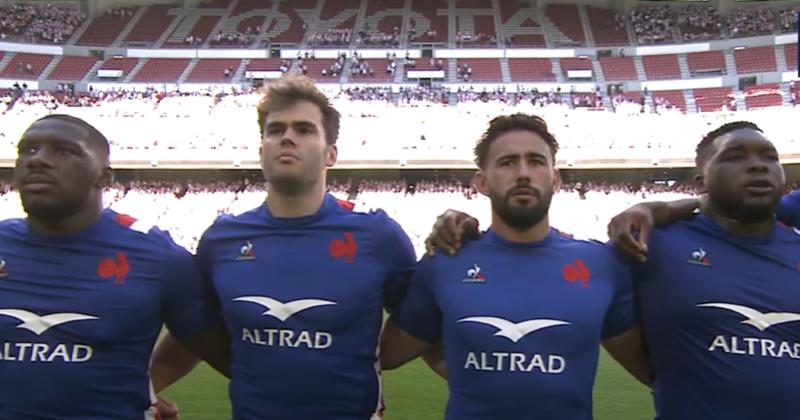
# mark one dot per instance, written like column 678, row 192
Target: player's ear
column 106, row 177
column 331, row 154
column 700, row 183
column 556, row 179
column 479, row 181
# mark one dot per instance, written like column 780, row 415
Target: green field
column 414, row 393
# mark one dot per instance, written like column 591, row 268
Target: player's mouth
column 759, row 187
column 287, row 157
column 37, row 182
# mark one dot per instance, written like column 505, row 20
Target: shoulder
column 11, row 226
column 131, row 229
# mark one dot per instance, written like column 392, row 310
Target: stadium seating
column 791, row 56
column 672, row 97
column 618, row 68
column 661, row 67
column 714, row 99
column 531, row 69
column 575, row 64
column 606, row 29
column 564, row 17
column 104, row 29
column 388, row 23
column 201, row 30
column 755, row 60
column 213, row 70
column 125, row 64
column 26, row 66
column 72, row 68
column 483, row 69
column 161, row 70
column 152, row 24
column 706, row 62
column 294, row 33
column 438, row 23
column 762, row 96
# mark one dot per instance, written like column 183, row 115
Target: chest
column 709, row 286
column 97, row 297
column 561, row 297
column 320, row 278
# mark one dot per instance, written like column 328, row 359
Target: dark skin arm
column 629, row 350
column 630, row 230
column 173, row 359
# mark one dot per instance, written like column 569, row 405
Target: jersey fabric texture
column 303, row 301
column 79, row 315
column 721, row 314
column 520, row 323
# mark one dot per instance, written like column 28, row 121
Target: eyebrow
column 516, row 155
column 280, row 124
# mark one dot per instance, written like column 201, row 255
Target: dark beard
column 520, row 218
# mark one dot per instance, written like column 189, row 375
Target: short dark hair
column 290, row 89
column 514, row 122
column 96, row 139
column 708, row 140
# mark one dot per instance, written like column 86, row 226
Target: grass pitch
column 413, row 392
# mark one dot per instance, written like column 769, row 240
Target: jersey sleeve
column 186, row 303
column 401, row 260
column 419, row 313
column 621, row 314
column 789, row 209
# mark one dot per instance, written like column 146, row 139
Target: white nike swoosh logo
column 512, row 331
column 755, row 318
column 39, row 324
column 281, row 310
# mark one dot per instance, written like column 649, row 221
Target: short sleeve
column 419, row 313
column 188, row 303
column 621, row 314
column 401, row 259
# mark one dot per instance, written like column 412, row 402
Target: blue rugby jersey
column 80, row 313
column 721, row 314
column 303, row 301
column 520, row 323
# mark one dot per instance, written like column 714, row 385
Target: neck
column 737, row 227
column 68, row 225
column 534, row 233
column 306, row 203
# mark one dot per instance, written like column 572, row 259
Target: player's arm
column 171, row 361
column 192, row 316
column 398, row 347
column 174, row 358
column 629, row 350
column 435, row 360
column 630, row 230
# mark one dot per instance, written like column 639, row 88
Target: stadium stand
column 531, row 69
column 790, row 51
column 27, row 66
column 72, row 68
column 563, row 17
column 151, row 25
column 706, row 62
column 618, row 68
column 161, row 70
column 755, row 60
column 607, row 27
column 104, row 29
column 661, row 66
